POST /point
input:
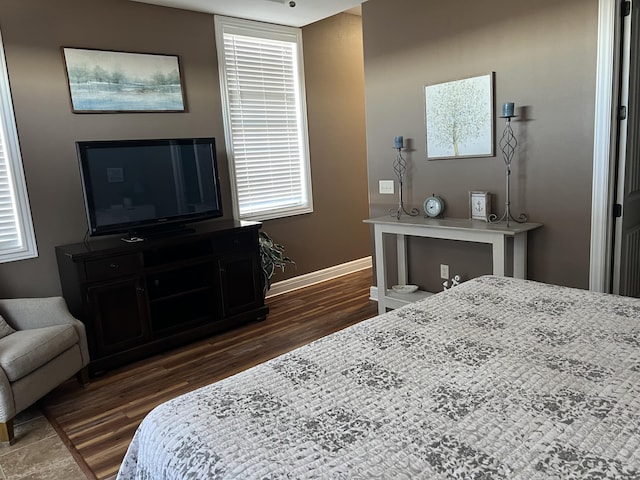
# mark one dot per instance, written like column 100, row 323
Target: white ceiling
column 272, row 11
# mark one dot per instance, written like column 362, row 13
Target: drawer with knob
column 111, row 267
column 238, row 241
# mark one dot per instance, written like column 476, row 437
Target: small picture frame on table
column 479, row 205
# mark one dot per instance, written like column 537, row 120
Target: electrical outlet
column 444, row 271
column 386, row 187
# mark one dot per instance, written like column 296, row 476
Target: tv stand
column 142, row 298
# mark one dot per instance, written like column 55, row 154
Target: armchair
column 48, row 346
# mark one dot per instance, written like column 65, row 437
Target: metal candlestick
column 400, row 167
column 508, row 145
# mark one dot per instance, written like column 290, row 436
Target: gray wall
column 33, row 32
column 334, row 71
column 543, row 53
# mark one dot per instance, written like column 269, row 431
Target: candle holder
column 400, row 168
column 508, row 145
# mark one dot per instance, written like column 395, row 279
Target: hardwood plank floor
column 97, row 422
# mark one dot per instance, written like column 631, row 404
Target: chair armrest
column 7, row 404
column 29, row 313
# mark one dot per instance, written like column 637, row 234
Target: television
column 148, row 187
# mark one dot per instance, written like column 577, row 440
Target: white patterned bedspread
column 495, row 379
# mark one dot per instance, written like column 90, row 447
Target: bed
column 497, row 378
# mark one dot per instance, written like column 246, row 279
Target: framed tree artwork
column 460, row 118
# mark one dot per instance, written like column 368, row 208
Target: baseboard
column 308, row 279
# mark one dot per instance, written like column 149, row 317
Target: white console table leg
column 401, row 246
column 499, row 257
column 381, row 269
column 520, row 255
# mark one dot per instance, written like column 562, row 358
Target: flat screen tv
column 142, row 187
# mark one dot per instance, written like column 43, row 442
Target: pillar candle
column 507, row 109
column 398, row 141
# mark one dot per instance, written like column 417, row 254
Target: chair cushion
column 5, row 328
column 24, row 351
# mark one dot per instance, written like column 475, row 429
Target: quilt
column 497, row 378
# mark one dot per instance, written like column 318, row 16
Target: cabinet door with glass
column 118, row 317
column 240, row 282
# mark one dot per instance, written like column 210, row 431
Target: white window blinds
column 265, row 118
column 17, row 240
column 9, row 233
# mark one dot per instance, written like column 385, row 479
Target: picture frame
column 479, row 205
column 104, row 81
column 459, row 118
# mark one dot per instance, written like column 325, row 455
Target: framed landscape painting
column 460, row 119
column 112, row 82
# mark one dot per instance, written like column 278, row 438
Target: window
column 17, row 240
column 262, row 82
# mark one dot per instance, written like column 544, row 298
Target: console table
column 466, row 230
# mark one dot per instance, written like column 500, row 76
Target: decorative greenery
column 272, row 256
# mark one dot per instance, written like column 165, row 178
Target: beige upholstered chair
column 42, row 345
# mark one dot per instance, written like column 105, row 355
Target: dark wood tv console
column 139, row 299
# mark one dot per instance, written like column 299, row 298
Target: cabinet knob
column 113, row 265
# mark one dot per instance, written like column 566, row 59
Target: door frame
column 604, row 145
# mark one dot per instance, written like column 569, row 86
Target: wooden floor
column 97, row 422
